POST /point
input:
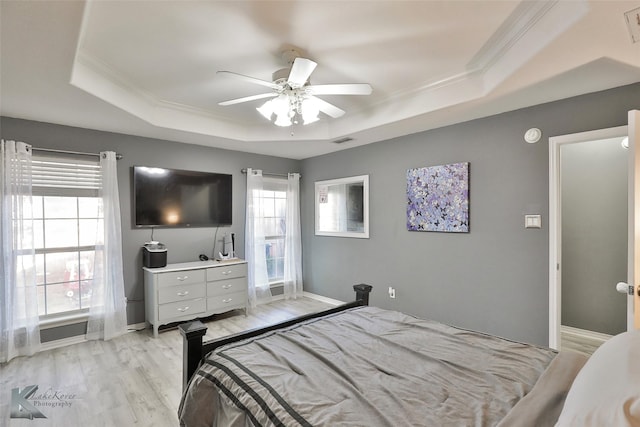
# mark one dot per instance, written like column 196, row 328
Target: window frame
column 72, row 181
column 275, row 184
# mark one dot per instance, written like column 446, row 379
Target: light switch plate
column 532, row 221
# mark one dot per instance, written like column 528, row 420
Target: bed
column 356, row 365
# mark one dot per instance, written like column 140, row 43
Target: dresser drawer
column 180, row 293
column 223, row 287
column 185, row 277
column 226, row 272
column 181, row 308
column 226, row 302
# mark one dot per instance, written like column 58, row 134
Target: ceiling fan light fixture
column 287, row 105
column 308, row 121
column 281, row 104
column 283, row 120
column 266, row 110
column 310, row 111
column 293, row 96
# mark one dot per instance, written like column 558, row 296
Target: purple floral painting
column 438, row 198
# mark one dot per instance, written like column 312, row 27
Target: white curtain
column 293, row 240
column 19, row 322
column 254, row 242
column 107, row 315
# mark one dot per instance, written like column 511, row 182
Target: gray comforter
column 373, row 367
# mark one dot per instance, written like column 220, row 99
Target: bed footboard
column 194, row 349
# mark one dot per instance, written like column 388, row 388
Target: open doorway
column 593, row 188
column 588, row 218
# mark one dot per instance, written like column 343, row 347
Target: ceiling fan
column 293, row 96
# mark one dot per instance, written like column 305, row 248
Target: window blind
column 55, row 175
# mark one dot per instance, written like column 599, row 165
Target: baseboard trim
column 135, row 327
column 596, row 337
column 322, row 299
column 306, row 295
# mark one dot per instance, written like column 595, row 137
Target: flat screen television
column 179, row 198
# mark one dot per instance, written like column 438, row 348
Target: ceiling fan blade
column 340, row 89
column 247, row 99
column 249, row 79
column 300, row 72
column 329, row 109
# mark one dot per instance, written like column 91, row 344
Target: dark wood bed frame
column 194, row 349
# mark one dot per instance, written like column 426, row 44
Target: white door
column 555, row 261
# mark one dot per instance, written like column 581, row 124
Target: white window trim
column 275, row 184
column 84, row 182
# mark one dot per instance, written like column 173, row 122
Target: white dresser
column 189, row 290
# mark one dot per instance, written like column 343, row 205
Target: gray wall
column 594, row 235
column 183, row 244
column 493, row 279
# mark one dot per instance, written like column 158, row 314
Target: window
column 274, row 202
column 67, row 218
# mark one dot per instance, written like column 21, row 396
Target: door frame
column 555, row 220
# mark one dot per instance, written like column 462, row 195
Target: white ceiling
column 149, row 67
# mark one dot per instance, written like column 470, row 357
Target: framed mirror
column 342, row 207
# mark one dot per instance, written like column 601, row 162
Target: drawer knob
column 183, row 309
column 182, row 278
column 227, row 286
column 183, row 294
column 228, row 300
column 226, row 273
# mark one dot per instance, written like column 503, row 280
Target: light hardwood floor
column 133, row 380
column 572, row 339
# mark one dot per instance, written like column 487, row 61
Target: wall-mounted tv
column 179, row 198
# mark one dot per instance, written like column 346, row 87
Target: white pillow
column 606, row 391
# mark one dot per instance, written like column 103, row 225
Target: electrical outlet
column 392, row 292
